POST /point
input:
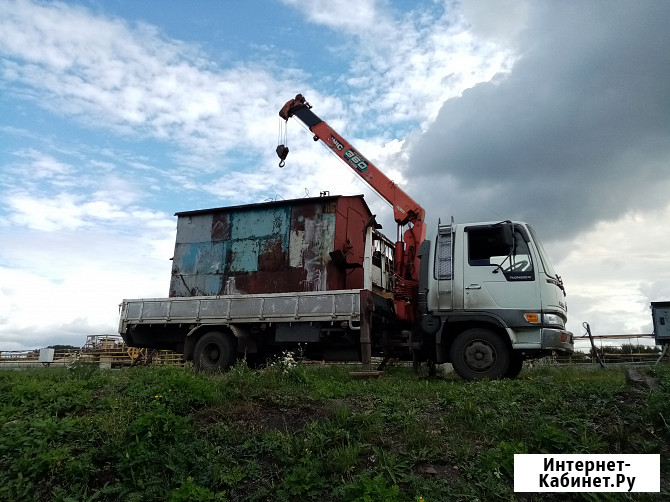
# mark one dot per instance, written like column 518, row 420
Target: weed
column 391, row 468
column 303, row 480
column 190, row 491
column 367, row 489
column 288, row 367
column 342, row 460
column 83, row 370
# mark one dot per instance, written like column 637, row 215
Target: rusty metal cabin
column 310, row 244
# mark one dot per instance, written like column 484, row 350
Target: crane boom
column 406, row 211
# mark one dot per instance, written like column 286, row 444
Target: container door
column 499, row 269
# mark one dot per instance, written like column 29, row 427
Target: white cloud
column 58, row 213
column 129, row 78
column 75, row 242
column 44, row 166
column 402, row 67
column 350, row 16
column 60, row 286
column 615, row 270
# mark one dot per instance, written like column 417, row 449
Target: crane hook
column 282, row 152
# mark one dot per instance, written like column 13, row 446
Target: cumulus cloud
column 576, row 133
column 620, row 266
column 351, row 17
column 402, row 66
column 502, row 20
column 67, row 258
column 130, row 78
column 59, row 286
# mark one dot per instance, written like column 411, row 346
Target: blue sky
column 114, row 115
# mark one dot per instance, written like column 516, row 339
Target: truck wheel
column 479, row 353
column 515, row 365
column 214, row 351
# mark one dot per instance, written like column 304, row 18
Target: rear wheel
column 480, row 353
column 214, row 351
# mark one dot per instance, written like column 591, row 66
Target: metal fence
column 613, row 349
column 109, row 351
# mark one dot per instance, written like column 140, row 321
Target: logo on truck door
column 352, row 156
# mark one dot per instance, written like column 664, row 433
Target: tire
column 480, row 353
column 515, row 365
column 215, row 351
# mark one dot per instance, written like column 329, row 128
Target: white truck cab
column 491, row 298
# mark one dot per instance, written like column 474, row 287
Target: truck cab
column 490, row 296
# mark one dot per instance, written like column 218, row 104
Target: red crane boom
column 406, row 211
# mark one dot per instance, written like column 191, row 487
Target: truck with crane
column 253, row 281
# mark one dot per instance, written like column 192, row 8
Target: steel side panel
column 329, row 305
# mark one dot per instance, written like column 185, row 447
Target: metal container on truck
column 309, row 244
column 260, row 278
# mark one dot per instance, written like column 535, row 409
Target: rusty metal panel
column 352, row 216
column 196, row 228
column 275, row 247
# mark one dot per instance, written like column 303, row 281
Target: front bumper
column 559, row 340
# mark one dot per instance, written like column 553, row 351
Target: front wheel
column 214, row 351
column 480, row 353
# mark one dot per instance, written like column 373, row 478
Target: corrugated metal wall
column 274, row 247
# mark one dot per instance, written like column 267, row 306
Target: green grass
column 310, row 433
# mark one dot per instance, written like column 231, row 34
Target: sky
column 115, row 114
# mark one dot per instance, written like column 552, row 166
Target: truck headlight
column 553, row 320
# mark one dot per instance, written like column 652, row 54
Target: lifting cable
column 282, row 141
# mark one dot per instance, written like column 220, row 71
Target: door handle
column 474, row 286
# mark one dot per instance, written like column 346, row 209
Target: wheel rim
column 479, row 356
column 212, row 353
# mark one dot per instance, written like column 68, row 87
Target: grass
column 310, row 433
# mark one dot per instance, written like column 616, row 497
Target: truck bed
column 338, row 305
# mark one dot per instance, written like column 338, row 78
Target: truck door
column 499, row 271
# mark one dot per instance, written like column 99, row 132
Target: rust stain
column 282, row 281
column 300, row 214
column 220, row 227
column 271, row 257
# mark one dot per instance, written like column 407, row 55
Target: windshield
column 488, row 245
column 546, row 263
